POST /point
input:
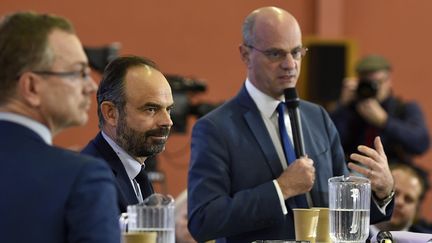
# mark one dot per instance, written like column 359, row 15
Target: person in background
column 368, row 108
column 134, row 105
column 48, row 194
column 410, row 188
column 243, row 182
column 181, row 220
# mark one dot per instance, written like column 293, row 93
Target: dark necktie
column 144, row 183
column 300, row 200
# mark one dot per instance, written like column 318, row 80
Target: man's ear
column 109, row 113
column 30, row 88
column 244, row 54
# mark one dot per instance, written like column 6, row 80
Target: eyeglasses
column 274, row 54
column 84, row 73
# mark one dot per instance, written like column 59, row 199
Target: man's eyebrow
column 280, row 49
column 150, row 104
column 154, row 105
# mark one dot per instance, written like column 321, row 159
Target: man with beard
column 134, row 104
column 410, row 188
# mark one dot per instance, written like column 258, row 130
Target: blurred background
column 196, row 42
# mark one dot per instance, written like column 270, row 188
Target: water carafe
column 153, row 216
column 349, row 203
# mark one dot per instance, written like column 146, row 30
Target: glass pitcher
column 155, row 214
column 349, row 203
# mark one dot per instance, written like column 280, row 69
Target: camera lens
column 366, row 89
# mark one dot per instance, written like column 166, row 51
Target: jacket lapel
column 127, row 194
column 259, row 130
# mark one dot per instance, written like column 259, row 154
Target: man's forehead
column 146, row 82
column 67, row 48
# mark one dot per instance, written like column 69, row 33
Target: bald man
column 134, row 105
column 241, row 186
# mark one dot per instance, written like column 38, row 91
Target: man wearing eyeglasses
column 242, row 187
column 48, row 194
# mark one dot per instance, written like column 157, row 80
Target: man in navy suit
column 240, row 185
column 48, row 194
column 134, row 104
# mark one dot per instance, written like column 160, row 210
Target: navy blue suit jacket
column 51, row 195
column 100, row 148
column 233, row 163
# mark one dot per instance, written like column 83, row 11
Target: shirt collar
column 132, row 166
column 265, row 103
column 31, row 124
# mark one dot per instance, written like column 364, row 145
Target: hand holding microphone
column 299, row 177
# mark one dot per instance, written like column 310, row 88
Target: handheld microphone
column 292, row 103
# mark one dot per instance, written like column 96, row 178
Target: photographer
column 368, row 108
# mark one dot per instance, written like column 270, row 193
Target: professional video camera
column 366, row 88
column 99, row 57
column 183, row 88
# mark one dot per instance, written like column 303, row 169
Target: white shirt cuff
column 281, row 198
column 383, row 208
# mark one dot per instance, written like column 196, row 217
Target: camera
column 182, row 87
column 366, row 88
column 99, row 57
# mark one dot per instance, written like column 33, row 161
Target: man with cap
column 368, row 108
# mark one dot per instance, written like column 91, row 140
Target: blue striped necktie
column 300, row 200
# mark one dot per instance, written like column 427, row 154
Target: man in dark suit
column 134, row 104
column 48, row 194
column 241, row 187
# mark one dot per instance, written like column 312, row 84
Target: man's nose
column 288, row 62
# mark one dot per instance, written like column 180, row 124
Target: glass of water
column 349, row 203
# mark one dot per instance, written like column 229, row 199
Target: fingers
column 366, row 159
column 366, row 172
column 298, row 178
column 359, row 169
column 370, row 157
column 372, row 163
column 379, row 147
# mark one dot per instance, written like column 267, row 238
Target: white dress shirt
column 267, row 107
column 132, row 166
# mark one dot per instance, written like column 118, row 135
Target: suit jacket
column 51, row 195
column 100, row 148
column 233, row 163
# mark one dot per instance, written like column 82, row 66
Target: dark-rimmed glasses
column 84, row 73
column 275, row 54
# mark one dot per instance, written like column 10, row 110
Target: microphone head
column 291, row 97
column 382, row 236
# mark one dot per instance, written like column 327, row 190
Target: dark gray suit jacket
column 233, row 163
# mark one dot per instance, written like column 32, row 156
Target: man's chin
column 397, row 225
column 150, row 152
